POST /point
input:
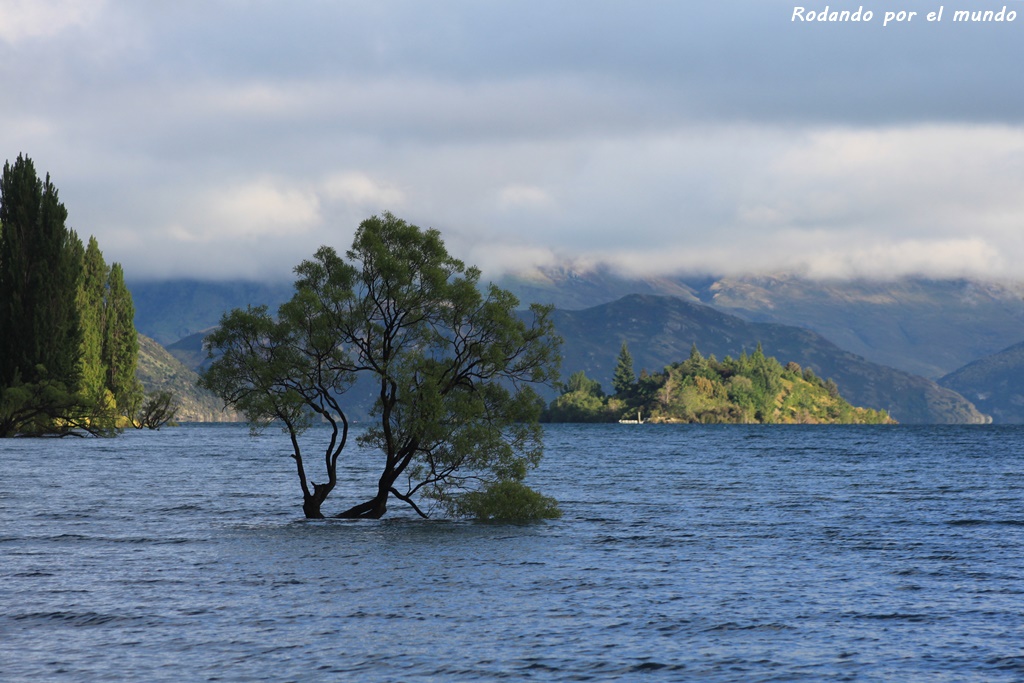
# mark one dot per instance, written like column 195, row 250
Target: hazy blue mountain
column 660, row 330
column 190, row 354
column 190, row 350
column 169, row 310
column 920, row 326
column 928, row 327
column 924, row 326
column 995, row 384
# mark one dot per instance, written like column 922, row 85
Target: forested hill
column 745, row 390
column 661, row 330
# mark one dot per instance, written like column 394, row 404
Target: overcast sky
column 230, row 138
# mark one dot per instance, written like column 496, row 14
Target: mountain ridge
column 929, row 327
column 919, row 326
column 926, row 326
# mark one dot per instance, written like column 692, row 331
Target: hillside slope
column 995, row 384
column 158, row 370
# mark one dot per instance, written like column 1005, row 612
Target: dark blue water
column 685, row 553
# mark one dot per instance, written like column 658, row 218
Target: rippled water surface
column 685, row 553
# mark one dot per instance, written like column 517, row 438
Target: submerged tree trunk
column 375, row 508
column 371, row 509
column 311, row 502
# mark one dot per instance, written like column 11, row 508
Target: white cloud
column 361, row 190
column 254, row 209
column 909, row 178
column 938, row 257
column 494, row 259
column 525, row 196
column 22, row 20
column 239, row 136
column 936, row 200
column 720, row 199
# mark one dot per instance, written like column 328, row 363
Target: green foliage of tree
column 290, row 371
column 766, row 374
column 582, row 400
column 741, row 392
column 576, row 406
column 452, row 368
column 40, row 264
column 92, row 296
column 624, row 377
column 158, row 411
column 579, row 383
column 507, row 501
column 40, row 333
column 120, row 340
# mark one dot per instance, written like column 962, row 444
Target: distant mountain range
column 927, row 327
column 924, row 326
column 924, row 329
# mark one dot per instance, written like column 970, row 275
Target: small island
column 751, row 389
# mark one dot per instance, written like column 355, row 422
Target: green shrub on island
column 749, row 390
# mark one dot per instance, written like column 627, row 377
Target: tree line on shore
column 753, row 388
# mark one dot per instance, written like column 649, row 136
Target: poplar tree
column 92, row 311
column 121, row 343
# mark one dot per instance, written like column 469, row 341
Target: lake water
column 732, row 553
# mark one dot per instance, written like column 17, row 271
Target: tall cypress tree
column 92, row 301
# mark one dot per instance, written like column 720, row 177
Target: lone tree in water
column 455, row 415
